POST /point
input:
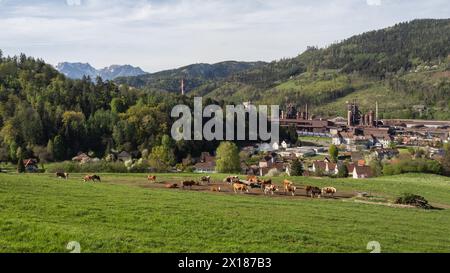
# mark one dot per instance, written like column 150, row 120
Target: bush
column 342, row 171
column 413, row 166
column 296, row 168
column 95, row 167
column 273, row 173
column 20, row 165
column 413, row 200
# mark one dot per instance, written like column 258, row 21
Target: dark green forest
column 45, row 114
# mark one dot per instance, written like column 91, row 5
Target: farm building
column 30, row 165
column 206, row 164
column 124, row 156
column 362, row 172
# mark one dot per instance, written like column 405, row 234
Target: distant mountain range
column 78, row 70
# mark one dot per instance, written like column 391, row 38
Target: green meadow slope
column 39, row 213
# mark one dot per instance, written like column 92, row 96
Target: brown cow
column 313, row 191
column 62, row 175
column 189, row 184
column 151, row 178
column 231, row 179
column 171, row 186
column 240, row 187
column 252, row 179
column 330, row 191
column 291, row 189
column 206, row 179
column 87, row 178
column 92, row 178
column 216, row 189
column 270, row 189
column 265, row 183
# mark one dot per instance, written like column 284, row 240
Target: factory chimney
column 182, row 86
column 376, row 115
column 307, row 114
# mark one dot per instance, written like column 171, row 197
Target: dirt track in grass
column 227, row 189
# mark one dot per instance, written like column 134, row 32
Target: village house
column 205, row 167
column 207, row 163
column 326, row 167
column 82, row 158
column 279, row 166
column 350, row 140
column 382, row 153
column 362, row 172
column 31, row 165
column 124, row 156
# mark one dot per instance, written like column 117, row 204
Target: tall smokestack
column 307, row 114
column 376, row 115
column 182, row 86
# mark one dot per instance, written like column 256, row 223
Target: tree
column 343, row 171
column 334, row 152
column 296, row 167
column 376, row 166
column 20, row 165
column 118, row 105
column 227, row 158
column 50, row 149
column 161, row 158
column 59, row 149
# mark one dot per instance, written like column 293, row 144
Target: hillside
column 41, row 214
column 195, row 75
column 409, row 60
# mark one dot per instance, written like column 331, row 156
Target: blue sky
column 157, row 34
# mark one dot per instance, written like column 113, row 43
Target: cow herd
column 237, row 185
column 253, row 182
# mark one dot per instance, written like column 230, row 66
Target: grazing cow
column 270, row 189
column 62, row 175
column 171, row 186
column 216, row 189
column 87, row 178
column 189, row 184
column 265, row 183
column 151, row 178
column 286, row 185
column 92, row 178
column 291, row 189
column 313, row 191
column 96, row 177
column 206, row 179
column 330, row 191
column 231, row 179
column 240, row 187
column 252, row 179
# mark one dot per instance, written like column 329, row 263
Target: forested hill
column 409, row 60
column 399, row 48
column 46, row 115
column 195, row 75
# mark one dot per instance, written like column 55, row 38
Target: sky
column 157, row 34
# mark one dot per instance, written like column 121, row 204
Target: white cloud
column 160, row 34
column 374, row 2
column 73, row 2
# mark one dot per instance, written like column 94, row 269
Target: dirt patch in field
column 227, row 189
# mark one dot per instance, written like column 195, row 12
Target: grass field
column 39, row 213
